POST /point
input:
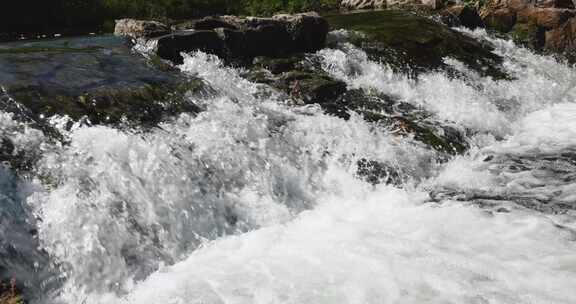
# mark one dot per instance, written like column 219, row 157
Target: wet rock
column 140, row 28
column 312, row 87
column 297, row 79
column 307, row 31
column 563, row 38
column 378, row 173
column 404, row 118
column 279, row 65
column 501, row 19
column 462, row 15
column 171, row 46
column 235, row 38
column 302, row 79
column 547, row 18
column 413, row 44
column 98, row 79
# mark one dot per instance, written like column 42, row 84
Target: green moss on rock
column 402, row 38
column 147, row 104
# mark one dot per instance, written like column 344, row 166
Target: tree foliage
column 34, row 15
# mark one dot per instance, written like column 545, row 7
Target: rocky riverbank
column 548, row 26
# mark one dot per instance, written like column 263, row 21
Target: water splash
column 258, row 201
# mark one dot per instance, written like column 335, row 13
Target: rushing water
column 256, row 200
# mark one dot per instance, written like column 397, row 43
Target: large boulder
column 140, row 28
column 411, row 43
column 302, row 80
column 172, row 45
column 307, row 31
column 97, row 79
column 234, row 38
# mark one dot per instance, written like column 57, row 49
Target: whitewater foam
column 258, row 201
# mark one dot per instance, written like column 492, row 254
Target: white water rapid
column 256, row 201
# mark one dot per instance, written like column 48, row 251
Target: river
column 255, row 200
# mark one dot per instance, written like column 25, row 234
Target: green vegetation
column 42, row 16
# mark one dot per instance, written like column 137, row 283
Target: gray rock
column 234, row 38
column 140, row 28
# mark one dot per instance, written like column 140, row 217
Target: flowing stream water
column 258, row 201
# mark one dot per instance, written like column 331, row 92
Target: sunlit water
column 256, row 200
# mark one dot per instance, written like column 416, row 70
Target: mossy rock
column 413, row 43
column 304, row 80
column 312, row 87
column 145, row 104
column 98, row 78
column 297, row 78
column 405, row 118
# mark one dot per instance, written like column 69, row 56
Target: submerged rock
column 402, row 117
column 378, row 173
column 233, row 37
column 301, row 79
column 97, row 79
